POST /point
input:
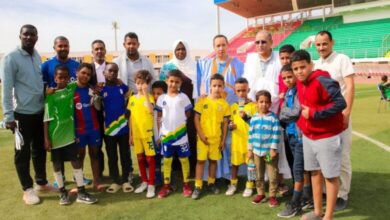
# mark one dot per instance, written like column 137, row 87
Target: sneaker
column 30, row 197
column 64, row 198
column 231, row 190
column 259, row 199
column 340, row 204
column 307, row 204
column 165, row 191
column 311, row 216
column 291, row 210
column 187, row 191
column 273, row 202
column 247, row 192
column 141, row 188
column 283, row 189
column 150, row 192
column 45, row 188
column 85, row 198
column 213, row 188
column 196, row 193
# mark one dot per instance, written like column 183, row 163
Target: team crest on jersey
column 79, row 106
column 105, row 94
column 205, row 106
column 219, row 108
column 164, row 103
column 132, row 103
column 121, row 91
column 234, row 112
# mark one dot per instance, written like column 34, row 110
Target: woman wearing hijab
column 183, row 61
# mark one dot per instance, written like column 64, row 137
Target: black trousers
column 31, row 128
column 112, row 144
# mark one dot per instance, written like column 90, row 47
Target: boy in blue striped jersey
column 264, row 137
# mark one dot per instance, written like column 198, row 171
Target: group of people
column 280, row 113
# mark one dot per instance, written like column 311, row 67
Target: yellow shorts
column 208, row 152
column 144, row 145
column 238, row 158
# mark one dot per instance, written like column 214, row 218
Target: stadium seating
column 357, row 40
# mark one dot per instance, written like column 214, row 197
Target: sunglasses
column 261, row 42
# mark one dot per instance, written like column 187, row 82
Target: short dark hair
column 286, row 68
column 287, row 48
column 241, row 80
column 143, row 75
column 325, row 32
column 85, row 65
column 219, row 36
column 98, row 41
column 384, row 78
column 160, row 84
column 300, row 55
column 61, row 67
column 112, row 63
column 175, row 73
column 263, row 93
column 130, row 35
column 217, row 76
column 28, row 26
column 60, row 38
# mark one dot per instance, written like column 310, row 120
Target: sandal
column 127, row 187
column 113, row 188
column 311, row 216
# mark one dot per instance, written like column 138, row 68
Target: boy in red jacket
column 321, row 123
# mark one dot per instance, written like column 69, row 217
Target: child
column 241, row 113
column 321, row 123
column 114, row 94
column 284, row 57
column 141, row 108
column 158, row 88
column 384, row 86
column 289, row 114
column 174, row 108
column 211, row 123
column 59, row 132
column 264, row 137
column 87, row 124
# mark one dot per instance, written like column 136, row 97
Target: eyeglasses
column 261, row 42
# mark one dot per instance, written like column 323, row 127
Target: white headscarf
column 187, row 65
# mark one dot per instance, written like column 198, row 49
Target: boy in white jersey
column 174, row 108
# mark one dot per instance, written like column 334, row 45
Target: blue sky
column 157, row 23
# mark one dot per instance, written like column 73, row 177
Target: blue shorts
column 91, row 138
column 182, row 150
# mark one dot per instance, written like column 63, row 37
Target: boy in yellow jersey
column 211, row 122
column 141, row 107
column 242, row 112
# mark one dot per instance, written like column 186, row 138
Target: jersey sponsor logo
column 132, row 104
column 219, row 108
column 234, row 112
column 205, row 106
column 164, row 103
column 105, row 94
column 121, row 91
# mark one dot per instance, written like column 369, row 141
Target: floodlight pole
column 218, row 21
column 115, row 26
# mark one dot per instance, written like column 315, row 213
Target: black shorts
column 67, row 153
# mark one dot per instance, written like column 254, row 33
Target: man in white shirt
column 131, row 61
column 341, row 69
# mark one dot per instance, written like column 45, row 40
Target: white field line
column 377, row 143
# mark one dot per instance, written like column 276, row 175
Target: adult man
column 340, row 68
column 61, row 47
column 262, row 71
column 231, row 68
column 22, row 83
column 131, row 61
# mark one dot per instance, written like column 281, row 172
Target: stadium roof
column 257, row 8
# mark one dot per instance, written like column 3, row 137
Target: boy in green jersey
column 59, row 131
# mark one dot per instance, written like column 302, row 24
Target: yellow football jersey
column 141, row 118
column 240, row 134
column 212, row 113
